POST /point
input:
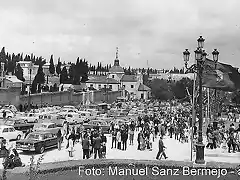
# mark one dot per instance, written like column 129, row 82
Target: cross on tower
column 117, row 53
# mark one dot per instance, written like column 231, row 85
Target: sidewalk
column 175, row 151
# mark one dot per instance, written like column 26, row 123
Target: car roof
column 40, row 132
column 47, row 123
column 5, row 126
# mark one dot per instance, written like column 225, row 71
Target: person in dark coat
column 114, row 138
column 97, row 146
column 138, row 139
column 85, row 146
column 161, row 149
column 59, row 139
column 124, row 138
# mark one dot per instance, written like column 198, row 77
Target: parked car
column 9, row 113
column 19, row 124
column 37, row 142
column 74, row 118
column 30, row 118
column 10, row 133
column 86, row 115
column 47, row 127
column 94, row 124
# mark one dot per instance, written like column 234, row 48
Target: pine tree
column 51, row 66
column 3, row 55
column 64, row 76
column 72, row 74
column 40, row 76
column 19, row 72
column 58, row 68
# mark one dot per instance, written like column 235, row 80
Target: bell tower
column 116, row 61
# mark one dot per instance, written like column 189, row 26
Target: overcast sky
column 153, row 30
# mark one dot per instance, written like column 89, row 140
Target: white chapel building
column 116, row 80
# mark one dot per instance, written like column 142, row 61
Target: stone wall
column 9, row 95
column 69, row 97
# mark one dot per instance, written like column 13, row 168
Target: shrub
column 34, row 168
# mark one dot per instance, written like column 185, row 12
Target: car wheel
column 36, row 121
column 18, row 137
column 41, row 150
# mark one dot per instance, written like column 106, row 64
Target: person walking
column 59, row 139
column 124, row 137
column 114, row 138
column 161, row 149
column 85, row 146
column 139, row 140
column 231, row 142
column 97, row 146
column 131, row 132
column 118, row 139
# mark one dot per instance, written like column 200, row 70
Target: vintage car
column 10, row 133
column 19, row 124
column 37, row 142
column 9, row 113
column 30, row 118
column 47, row 127
column 105, row 117
column 97, row 124
column 73, row 118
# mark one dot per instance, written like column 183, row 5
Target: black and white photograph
column 119, row 89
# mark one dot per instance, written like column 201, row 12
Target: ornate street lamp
column 200, row 56
column 200, row 42
column 215, row 54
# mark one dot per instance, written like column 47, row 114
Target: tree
column 58, row 68
column 34, row 87
column 51, row 66
column 64, row 76
column 3, row 55
column 161, row 89
column 40, row 76
column 19, row 73
column 72, row 74
column 235, row 97
column 179, row 88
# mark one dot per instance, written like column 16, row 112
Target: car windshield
column 9, row 122
column 34, row 137
column 44, row 126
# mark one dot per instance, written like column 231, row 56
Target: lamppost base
column 200, row 153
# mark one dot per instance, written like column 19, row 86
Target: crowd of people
column 149, row 126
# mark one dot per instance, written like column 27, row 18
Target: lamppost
column 215, row 54
column 200, row 57
column 30, row 85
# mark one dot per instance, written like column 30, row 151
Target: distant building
column 12, row 81
column 26, row 66
column 116, row 80
column 170, row 76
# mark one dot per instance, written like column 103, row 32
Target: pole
column 193, row 113
column 29, row 92
column 208, row 105
column 200, row 145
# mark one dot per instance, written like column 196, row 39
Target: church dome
column 116, row 68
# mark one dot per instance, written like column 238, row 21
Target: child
column 103, row 150
column 70, row 147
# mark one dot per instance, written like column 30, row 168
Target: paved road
column 175, row 151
